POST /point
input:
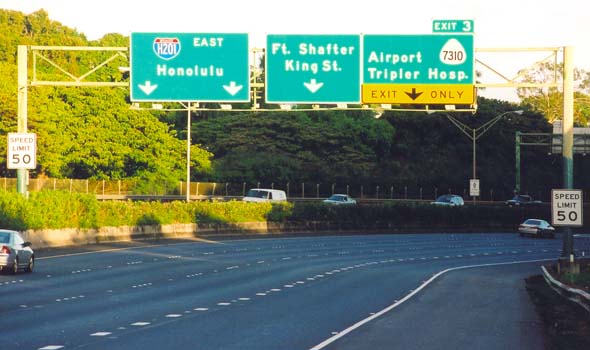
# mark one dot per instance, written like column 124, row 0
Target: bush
column 57, row 209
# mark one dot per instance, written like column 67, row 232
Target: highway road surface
column 272, row 293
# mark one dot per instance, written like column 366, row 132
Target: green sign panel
column 313, row 68
column 201, row 67
column 452, row 26
column 418, row 59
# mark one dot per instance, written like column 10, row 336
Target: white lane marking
column 410, row 295
column 223, row 304
column 261, row 294
column 244, row 299
column 51, row 347
column 100, row 334
column 140, row 324
column 275, row 290
column 173, row 316
column 122, row 249
column 201, row 309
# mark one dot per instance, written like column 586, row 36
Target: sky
column 498, row 23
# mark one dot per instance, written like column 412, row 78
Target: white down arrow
column 232, row 88
column 313, row 85
column 147, row 87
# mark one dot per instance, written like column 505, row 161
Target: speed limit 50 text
column 21, row 152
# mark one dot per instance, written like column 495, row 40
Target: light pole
column 475, row 133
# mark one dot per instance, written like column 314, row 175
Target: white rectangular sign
column 566, row 207
column 22, row 151
column 474, row 187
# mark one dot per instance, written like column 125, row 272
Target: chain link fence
column 301, row 190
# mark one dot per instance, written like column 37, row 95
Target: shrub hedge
column 55, row 209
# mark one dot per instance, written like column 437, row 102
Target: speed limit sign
column 22, row 150
column 566, row 207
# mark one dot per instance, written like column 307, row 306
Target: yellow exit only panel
column 427, row 94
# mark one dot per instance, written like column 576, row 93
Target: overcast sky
column 498, row 23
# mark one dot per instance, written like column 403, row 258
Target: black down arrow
column 414, row 95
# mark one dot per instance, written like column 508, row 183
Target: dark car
column 522, row 200
column 15, row 253
column 340, row 199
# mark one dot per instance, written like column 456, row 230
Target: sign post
column 182, row 67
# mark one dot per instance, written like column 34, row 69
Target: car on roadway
column 15, row 253
column 340, row 199
column 449, row 200
column 265, row 195
column 522, row 200
column 536, row 228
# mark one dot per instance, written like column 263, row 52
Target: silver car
column 536, row 228
column 15, row 253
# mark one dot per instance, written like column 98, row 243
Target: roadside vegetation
column 59, row 209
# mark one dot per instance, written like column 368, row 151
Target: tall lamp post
column 475, row 133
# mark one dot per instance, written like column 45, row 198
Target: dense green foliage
column 51, row 209
column 315, row 147
column 91, row 133
column 86, row 133
column 57, row 209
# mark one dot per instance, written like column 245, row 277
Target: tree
column 549, row 100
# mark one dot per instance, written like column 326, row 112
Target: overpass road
column 272, row 293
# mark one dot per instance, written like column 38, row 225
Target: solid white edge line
column 407, row 297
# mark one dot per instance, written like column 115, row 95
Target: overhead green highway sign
column 418, row 59
column 418, row 69
column 200, row 67
column 313, row 68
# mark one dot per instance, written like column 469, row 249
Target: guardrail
column 578, row 296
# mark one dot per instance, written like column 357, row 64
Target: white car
column 265, row 195
column 536, row 228
column 340, row 199
column 15, row 253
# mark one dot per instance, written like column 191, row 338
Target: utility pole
column 568, row 139
column 475, row 133
column 23, row 86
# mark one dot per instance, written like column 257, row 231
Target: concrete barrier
column 72, row 236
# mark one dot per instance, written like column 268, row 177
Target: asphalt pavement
column 280, row 294
column 475, row 308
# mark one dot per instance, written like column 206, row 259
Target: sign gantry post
column 21, row 172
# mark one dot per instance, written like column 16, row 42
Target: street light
column 475, row 133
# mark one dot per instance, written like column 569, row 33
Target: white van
column 265, row 195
